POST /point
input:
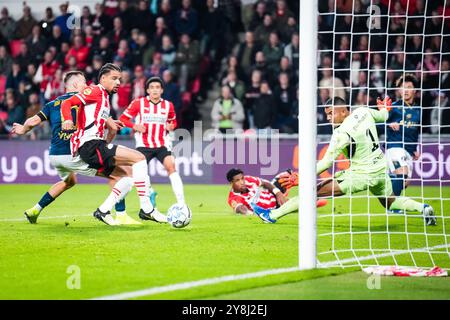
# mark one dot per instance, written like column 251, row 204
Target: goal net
column 364, row 46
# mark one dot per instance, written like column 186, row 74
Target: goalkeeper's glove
column 386, row 103
column 288, row 180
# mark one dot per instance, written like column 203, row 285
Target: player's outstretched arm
column 339, row 141
column 281, row 199
column 29, row 124
column 66, row 106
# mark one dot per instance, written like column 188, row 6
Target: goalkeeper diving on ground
column 355, row 136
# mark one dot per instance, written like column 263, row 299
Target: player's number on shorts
column 375, row 146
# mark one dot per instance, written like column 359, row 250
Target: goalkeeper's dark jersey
column 408, row 116
column 60, row 144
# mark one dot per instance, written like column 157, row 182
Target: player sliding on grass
column 89, row 143
column 153, row 118
column 247, row 191
column 355, row 135
column 60, row 155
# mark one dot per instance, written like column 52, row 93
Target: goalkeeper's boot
column 32, row 214
column 105, row 217
column 263, row 214
column 396, row 211
column 428, row 214
column 153, row 198
column 154, row 215
column 124, row 218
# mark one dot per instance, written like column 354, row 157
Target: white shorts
column 66, row 164
column 397, row 158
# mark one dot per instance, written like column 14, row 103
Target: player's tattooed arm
column 29, row 124
column 281, row 199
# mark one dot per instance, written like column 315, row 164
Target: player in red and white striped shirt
column 154, row 118
column 89, row 142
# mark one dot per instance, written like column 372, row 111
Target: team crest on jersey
column 87, row 91
column 57, row 103
column 233, row 204
column 409, row 116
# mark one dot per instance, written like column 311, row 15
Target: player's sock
column 45, row 201
column 398, row 183
column 177, row 187
column 290, row 206
column 121, row 188
column 142, row 184
column 120, row 207
column 407, row 204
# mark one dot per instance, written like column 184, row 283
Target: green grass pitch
column 35, row 259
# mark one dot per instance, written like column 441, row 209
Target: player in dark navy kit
column 60, row 153
column 402, row 133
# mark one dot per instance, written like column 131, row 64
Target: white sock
column 38, row 207
column 150, row 190
column 177, row 187
column 118, row 192
column 121, row 213
column 142, row 184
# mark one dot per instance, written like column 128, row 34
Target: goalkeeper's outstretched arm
column 339, row 141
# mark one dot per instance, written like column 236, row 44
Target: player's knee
column 69, row 183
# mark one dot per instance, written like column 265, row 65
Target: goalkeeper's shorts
column 350, row 182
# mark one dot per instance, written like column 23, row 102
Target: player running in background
column 247, row 191
column 89, row 142
column 355, row 135
column 59, row 153
column 402, row 133
column 154, row 118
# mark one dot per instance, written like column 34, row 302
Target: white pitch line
column 193, row 284
column 43, row 218
column 210, row 281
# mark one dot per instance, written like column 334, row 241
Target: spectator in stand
column 282, row 14
column 15, row 76
column 334, row 84
column 273, row 51
column 16, row 112
column 55, row 88
column 61, row 21
column 36, row 43
column 24, row 57
column 56, row 38
column 139, row 82
column 101, row 23
column 286, row 31
column 33, row 106
column 25, row 24
column 46, row 70
column 4, row 132
column 247, row 12
column 86, row 18
column 123, row 53
column 127, row 14
column 284, row 95
column 262, row 33
column 264, row 109
column 160, row 31
column 246, row 53
column 187, row 60
column 168, row 14
column 103, row 50
column 122, row 98
column 260, row 64
column 252, row 93
column 258, row 16
column 80, row 52
column 236, row 85
column 171, row 91
column 323, row 126
column 143, row 53
column 7, row 25
column 227, row 112
column 292, row 52
column 5, row 61
column 144, row 20
column 117, row 34
column 213, row 28
column 186, row 19
column 89, row 37
column 93, row 70
column 168, row 52
column 111, row 7
column 156, row 68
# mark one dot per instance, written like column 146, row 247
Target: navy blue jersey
column 408, row 116
column 60, row 144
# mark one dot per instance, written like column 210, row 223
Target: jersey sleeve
column 339, row 141
column 255, row 180
column 235, row 201
column 130, row 112
column 172, row 117
column 90, row 94
column 379, row 115
column 44, row 114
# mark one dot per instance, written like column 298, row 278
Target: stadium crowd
column 250, row 48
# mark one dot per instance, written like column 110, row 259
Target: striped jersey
column 260, row 196
column 154, row 117
column 91, row 116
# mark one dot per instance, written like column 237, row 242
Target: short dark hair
column 232, row 173
column 154, row 79
column 71, row 74
column 336, row 101
column 408, row 77
column 107, row 68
